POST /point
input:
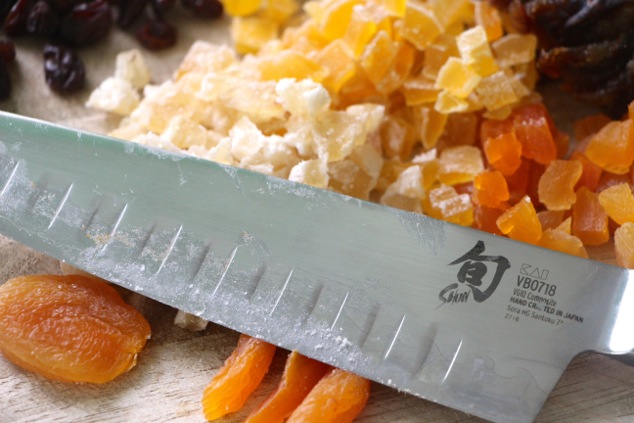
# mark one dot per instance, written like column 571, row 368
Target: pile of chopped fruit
column 428, row 106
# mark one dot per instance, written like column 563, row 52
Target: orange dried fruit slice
column 73, row 328
column 241, row 373
column 338, row 398
column 300, row 375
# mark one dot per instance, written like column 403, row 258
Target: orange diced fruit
column 589, row 219
column 300, row 375
column 241, row 373
column 459, row 164
column 557, row 240
column 591, row 173
column 489, row 18
column 557, row 184
column 490, row 189
column 612, row 148
column 550, row 219
column 589, row 125
column 485, row 218
column 618, row 202
column 447, row 204
column 504, row 153
column 532, row 128
column 520, row 222
column 338, row 397
column 624, row 245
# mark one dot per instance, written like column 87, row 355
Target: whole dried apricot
column 72, row 328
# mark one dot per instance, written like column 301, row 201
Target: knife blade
column 479, row 323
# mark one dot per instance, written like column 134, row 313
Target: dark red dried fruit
column 7, row 52
column 63, row 69
column 160, row 7
column 64, row 4
column 5, row 6
column 5, row 81
column 157, row 35
column 42, row 20
column 86, row 23
column 15, row 23
column 207, row 9
column 130, row 11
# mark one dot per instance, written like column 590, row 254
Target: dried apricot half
column 72, row 328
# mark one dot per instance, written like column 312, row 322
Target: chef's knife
column 473, row 321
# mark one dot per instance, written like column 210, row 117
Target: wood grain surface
column 172, row 371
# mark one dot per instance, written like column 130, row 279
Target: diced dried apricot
column 503, row 152
column 532, row 129
column 550, row 219
column 300, row 375
column 612, row 148
column 337, row 398
column 607, row 180
column 557, row 184
column 485, row 219
column 591, row 173
column 624, row 245
column 73, row 328
column 618, row 202
column 490, row 189
column 557, row 240
column 520, row 222
column 241, row 373
column 447, row 204
column 589, row 219
column 459, row 164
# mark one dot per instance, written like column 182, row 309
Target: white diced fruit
column 114, row 95
column 130, row 66
column 185, row 133
column 312, row 172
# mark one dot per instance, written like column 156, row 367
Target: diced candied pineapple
column 452, row 13
column 457, row 78
column 397, row 137
column 515, row 49
column 114, row 95
column 205, row 57
column 419, row 90
column 279, row 10
column 130, row 66
column 250, row 33
column 364, row 24
column 347, row 177
column 420, row 25
column 302, row 98
column 407, row 191
column 429, row 124
column 312, row 172
column 241, row 7
column 475, row 51
column 488, row 17
column 336, row 18
column 336, row 134
column 497, row 91
column 459, row 164
column 446, row 103
column 437, row 54
column 290, row 64
column 184, row 133
column 445, row 203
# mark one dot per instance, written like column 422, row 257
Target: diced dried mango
column 336, row 18
column 429, row 124
column 459, row 164
column 457, row 78
column 419, row 90
column 279, row 10
column 497, row 91
column 394, row 7
column 520, row 222
column 447, row 103
column 556, row 187
column 490, row 189
column 420, row 25
column 437, row 54
column 503, row 152
column 618, row 202
column 589, row 219
column 612, row 148
column 476, row 52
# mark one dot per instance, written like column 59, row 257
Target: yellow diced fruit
column 618, row 202
column 378, row 56
column 399, row 68
column 241, row 7
column 305, row 38
column 397, row 137
column 496, row 91
column 452, row 13
column 419, row 90
column 420, row 25
column 446, row 103
column 428, row 124
column 487, row 16
column 446, row 204
column 250, row 33
column 437, row 54
column 394, row 7
column 457, row 78
column 520, row 222
column 624, row 245
column 290, row 64
column 205, row 57
column 461, row 129
column 336, row 59
column 407, row 191
column 336, row 18
column 366, row 20
column 280, row 11
column 459, row 164
column 475, row 51
column 514, row 49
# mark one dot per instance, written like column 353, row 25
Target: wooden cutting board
column 174, row 368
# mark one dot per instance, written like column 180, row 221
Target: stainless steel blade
column 470, row 320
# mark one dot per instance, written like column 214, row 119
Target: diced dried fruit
column 558, row 240
column 241, row 7
column 612, row 148
column 503, row 152
column 71, row 328
column 459, row 164
column 589, row 219
column 420, row 25
column 624, row 245
column 520, row 222
column 485, row 219
column 532, row 127
column 618, row 202
column 241, row 373
column 300, row 375
column 447, row 204
column 557, row 184
column 490, row 189
column 339, row 397
column 550, row 219
column 63, row 69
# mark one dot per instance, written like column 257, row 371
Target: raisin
column 7, row 52
column 5, row 81
column 130, row 11
column 207, row 9
column 15, row 23
column 162, row 6
column 86, row 23
column 156, row 35
column 63, row 69
column 64, row 4
column 5, row 7
column 42, row 20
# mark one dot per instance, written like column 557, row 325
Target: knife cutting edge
column 476, row 322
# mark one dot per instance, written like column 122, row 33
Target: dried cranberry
column 162, row 6
column 7, row 52
column 86, row 23
column 156, row 35
column 15, row 24
column 63, row 69
column 130, row 11
column 43, row 19
column 5, row 81
column 208, row 9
